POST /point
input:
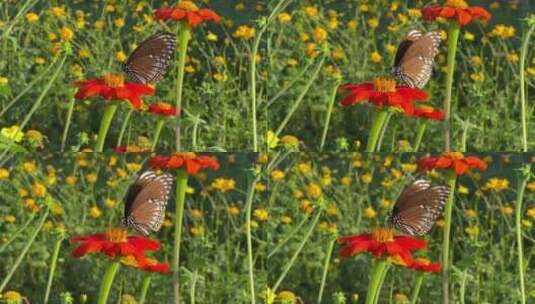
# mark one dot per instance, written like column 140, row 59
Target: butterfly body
column 418, row 207
column 146, row 200
column 150, row 60
column 415, row 56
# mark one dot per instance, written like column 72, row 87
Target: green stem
column 419, row 136
column 145, row 288
column 105, row 122
column 192, row 289
column 159, row 127
column 374, row 288
column 67, row 123
column 328, row 118
column 55, row 256
column 453, row 37
column 24, row 251
column 184, row 36
column 451, row 180
column 518, row 230
column 301, row 96
column 377, row 126
column 326, row 269
column 181, row 185
column 123, row 127
column 252, row 89
column 523, row 55
column 107, row 282
column 248, row 213
column 297, row 252
column 416, row 288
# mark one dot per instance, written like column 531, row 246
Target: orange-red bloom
column 455, row 161
column 381, row 242
column 187, row 11
column 114, row 242
column 422, row 264
column 146, row 264
column 162, row 108
column 428, row 112
column 113, row 87
column 131, row 149
column 456, row 9
column 189, row 161
column 382, row 92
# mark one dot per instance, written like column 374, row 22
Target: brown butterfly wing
column 411, row 37
column 418, row 207
column 150, row 60
column 150, row 194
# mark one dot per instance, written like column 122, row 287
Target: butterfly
column 414, row 58
column 146, row 200
column 418, row 207
column 150, row 60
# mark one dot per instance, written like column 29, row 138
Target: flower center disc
column 114, row 80
column 116, row 235
column 456, row 3
column 383, row 235
column 188, row 6
column 384, row 85
column 454, row 155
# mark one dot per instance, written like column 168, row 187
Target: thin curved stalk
column 417, row 287
column 248, row 213
column 105, row 122
column 328, row 118
column 55, row 256
column 123, row 127
column 518, row 230
column 24, row 251
column 453, row 37
column 375, row 132
column 107, row 282
column 374, row 288
column 451, row 181
column 523, row 98
column 67, row 123
column 159, row 126
column 297, row 252
column 326, row 269
column 181, row 185
column 144, row 288
column 184, row 36
column 419, row 136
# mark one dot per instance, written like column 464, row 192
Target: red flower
column 188, row 11
column 422, row 264
column 114, row 242
column 382, row 92
column 112, row 86
column 184, row 160
column 162, row 108
column 428, row 112
column 452, row 160
column 146, row 264
column 131, row 149
column 456, row 9
column 380, row 242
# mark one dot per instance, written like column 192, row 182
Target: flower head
column 112, row 86
column 457, row 10
column 190, row 161
column 187, row 11
column 424, row 111
column 146, row 264
column 455, row 161
column 162, row 108
column 381, row 242
column 114, row 242
column 382, row 92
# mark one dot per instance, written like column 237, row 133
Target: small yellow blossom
column 261, row 214
column 370, row 213
column 95, row 212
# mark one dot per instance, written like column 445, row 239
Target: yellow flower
column 284, row 17
column 4, row 173
column 311, row 11
column 376, row 57
column 289, row 140
column 224, row 184
column 320, row 34
column 99, row 24
column 261, row 214
column 196, row 213
column 244, row 32
column 415, row 13
column 352, row 25
column 314, row 190
column 287, row 297
column 476, row 60
column 409, row 168
column 462, row 189
column 531, row 212
column 304, row 168
column 531, row 186
column 10, row 219
column 496, row 184
column 346, row 181
column 386, row 203
column 71, row 180
column 40, row 60
column 56, row 209
column 233, row 210
column 373, row 23
column 477, row 76
column 91, row 178
column 286, row 219
column 211, row 37
column 260, row 187
column 66, row 34
column 39, row 190
column 120, row 56
column 272, row 140
column 277, row 175
column 306, row 206
column 12, row 297
column 527, row 223
column 197, row 231
column 503, row 31
column 506, row 210
column 364, row 8
column 119, row 23
column 109, row 203
column 472, row 231
column 470, row 213
column 513, row 57
column 95, row 212
column 14, row 133
column 366, row 178
column 32, row 17
column 469, row 36
column 370, row 213
column 58, row 11
column 297, row 194
column 32, row 205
